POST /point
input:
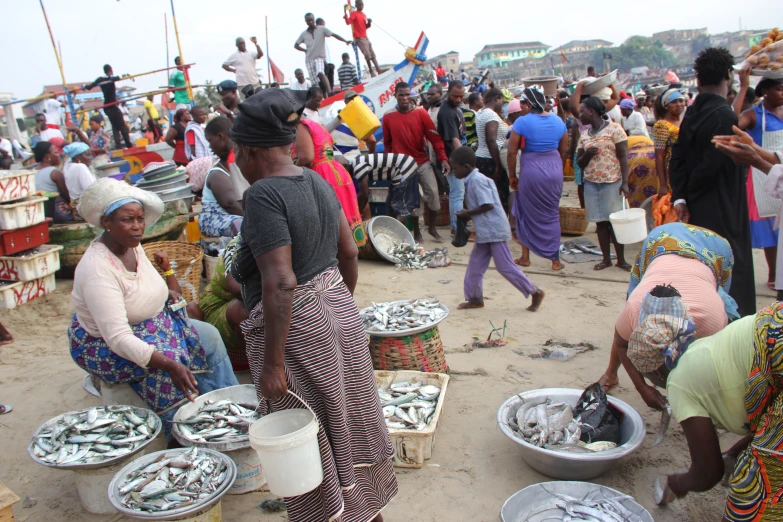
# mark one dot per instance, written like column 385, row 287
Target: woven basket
column 573, row 221
column 185, row 259
column 421, row 352
column 444, row 218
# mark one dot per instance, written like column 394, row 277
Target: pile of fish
column 414, row 257
column 604, row 509
column 221, row 421
column 94, row 435
column 408, row 405
column 398, row 316
column 175, row 479
column 552, row 426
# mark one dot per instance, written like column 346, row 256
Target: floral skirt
column 213, row 221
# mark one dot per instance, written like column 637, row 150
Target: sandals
column 603, row 265
column 467, row 305
column 6, row 408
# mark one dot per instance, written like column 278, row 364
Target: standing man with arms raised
column 451, row 127
column 314, row 38
column 243, row 63
column 708, row 189
column 106, row 83
column 405, row 129
column 359, row 24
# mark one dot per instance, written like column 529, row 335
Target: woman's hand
column 514, row 183
column 653, row 398
column 184, row 380
column 662, row 191
column 162, row 260
column 273, row 383
column 744, row 76
column 739, row 136
column 175, row 296
column 625, row 190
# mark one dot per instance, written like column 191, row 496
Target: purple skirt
column 537, row 203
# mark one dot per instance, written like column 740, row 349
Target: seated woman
column 221, row 306
column 127, row 329
column 698, row 263
column 221, row 211
column 50, row 178
column 730, row 380
column 78, row 176
column 175, row 136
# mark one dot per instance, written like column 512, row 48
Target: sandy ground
column 474, row 467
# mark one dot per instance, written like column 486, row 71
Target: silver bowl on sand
column 531, row 503
column 572, row 466
column 386, row 232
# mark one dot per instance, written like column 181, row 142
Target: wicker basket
column 422, row 352
column 573, row 221
column 185, row 259
column 444, row 218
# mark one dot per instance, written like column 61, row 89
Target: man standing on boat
column 359, row 24
column 106, row 83
column 178, row 81
column 314, row 38
column 243, row 63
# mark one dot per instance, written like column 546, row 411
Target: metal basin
column 174, row 193
column 572, row 466
column 529, row 504
column 599, row 83
column 159, row 172
column 384, row 232
column 165, row 182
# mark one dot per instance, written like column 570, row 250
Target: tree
column 636, row 51
column 700, row 43
column 208, row 96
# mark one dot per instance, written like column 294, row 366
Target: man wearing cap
column 243, row 63
column 314, row 38
column 229, row 106
column 633, row 122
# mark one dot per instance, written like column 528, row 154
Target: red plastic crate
column 15, row 241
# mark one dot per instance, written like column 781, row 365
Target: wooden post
column 7, row 499
column 68, row 95
column 181, row 57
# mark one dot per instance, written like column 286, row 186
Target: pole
column 179, row 49
column 268, row 60
column 68, row 96
column 166, row 30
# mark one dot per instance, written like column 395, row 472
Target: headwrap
column 198, row 169
column 597, row 105
column 268, row 119
column 669, row 96
column 75, row 149
column 119, row 203
column 508, row 97
column 665, row 331
column 514, row 106
column 627, row 104
column 535, row 96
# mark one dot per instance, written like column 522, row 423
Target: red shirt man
column 359, row 24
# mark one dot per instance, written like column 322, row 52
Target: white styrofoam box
column 14, row 294
column 26, row 212
column 31, row 264
column 16, row 184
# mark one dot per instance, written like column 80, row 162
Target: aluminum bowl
column 599, row 83
column 528, row 505
column 174, row 193
column 411, row 331
column 159, row 172
column 175, row 514
column 383, row 231
column 175, row 177
column 657, row 90
column 572, row 466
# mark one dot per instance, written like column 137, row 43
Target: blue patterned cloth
column 214, row 221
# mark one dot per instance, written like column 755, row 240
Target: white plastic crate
column 14, row 294
column 23, row 213
column 16, row 184
column 411, row 447
column 31, row 264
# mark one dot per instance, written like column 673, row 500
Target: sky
column 130, row 34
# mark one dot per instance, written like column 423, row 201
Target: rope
column 389, row 35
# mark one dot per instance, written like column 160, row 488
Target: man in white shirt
column 243, row 63
column 47, row 130
column 52, row 111
column 633, row 122
column 301, row 84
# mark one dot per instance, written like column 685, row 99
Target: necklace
column 594, row 132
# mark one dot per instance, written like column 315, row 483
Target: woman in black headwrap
column 297, row 265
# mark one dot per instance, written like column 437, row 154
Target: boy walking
column 492, row 234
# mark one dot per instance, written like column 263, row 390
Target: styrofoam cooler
column 16, row 293
column 31, row 264
column 15, row 184
column 22, row 213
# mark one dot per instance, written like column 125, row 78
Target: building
column 575, row 46
column 676, row 35
column 449, row 60
column 738, row 42
column 499, row 55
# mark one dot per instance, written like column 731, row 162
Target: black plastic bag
column 462, row 234
column 601, row 420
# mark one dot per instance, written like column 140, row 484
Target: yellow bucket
column 192, row 232
column 359, row 118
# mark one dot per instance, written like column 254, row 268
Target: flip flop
column 468, row 305
column 602, row 266
column 625, row 267
column 6, row 409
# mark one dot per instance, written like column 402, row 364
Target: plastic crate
column 16, row 184
column 32, row 264
column 15, row 294
column 22, row 213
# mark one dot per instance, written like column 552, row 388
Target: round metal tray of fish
column 567, row 500
column 172, row 484
column 566, row 465
column 218, row 420
column 402, row 318
column 93, row 438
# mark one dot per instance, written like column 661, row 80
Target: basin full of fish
column 414, row 257
column 403, row 316
column 94, row 437
column 408, row 405
column 217, row 422
column 171, row 481
column 553, row 426
column 597, row 509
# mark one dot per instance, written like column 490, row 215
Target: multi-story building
column 449, row 60
column 576, row 46
column 675, row 35
column 499, row 55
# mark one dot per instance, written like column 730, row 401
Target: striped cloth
column 347, row 75
column 394, row 168
column 327, row 363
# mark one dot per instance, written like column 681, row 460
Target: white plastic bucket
column 287, row 444
column 92, row 484
column 629, row 224
column 250, row 476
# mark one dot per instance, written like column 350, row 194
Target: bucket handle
column 625, row 203
column 305, row 405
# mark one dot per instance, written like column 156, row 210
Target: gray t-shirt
column 491, row 226
column 315, row 42
column 301, row 211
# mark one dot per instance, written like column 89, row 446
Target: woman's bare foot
column 608, row 381
column 418, row 238
column 538, row 297
column 557, row 265
column 522, row 262
column 602, row 265
column 434, row 233
column 471, row 304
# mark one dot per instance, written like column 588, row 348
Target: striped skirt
column 757, row 483
column 327, row 363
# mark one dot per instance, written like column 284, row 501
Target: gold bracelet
column 168, row 273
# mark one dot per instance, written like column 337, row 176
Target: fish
column 399, row 316
column 164, row 485
column 603, row 509
column 221, row 421
column 408, row 405
column 94, row 435
column 666, row 416
column 414, row 257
